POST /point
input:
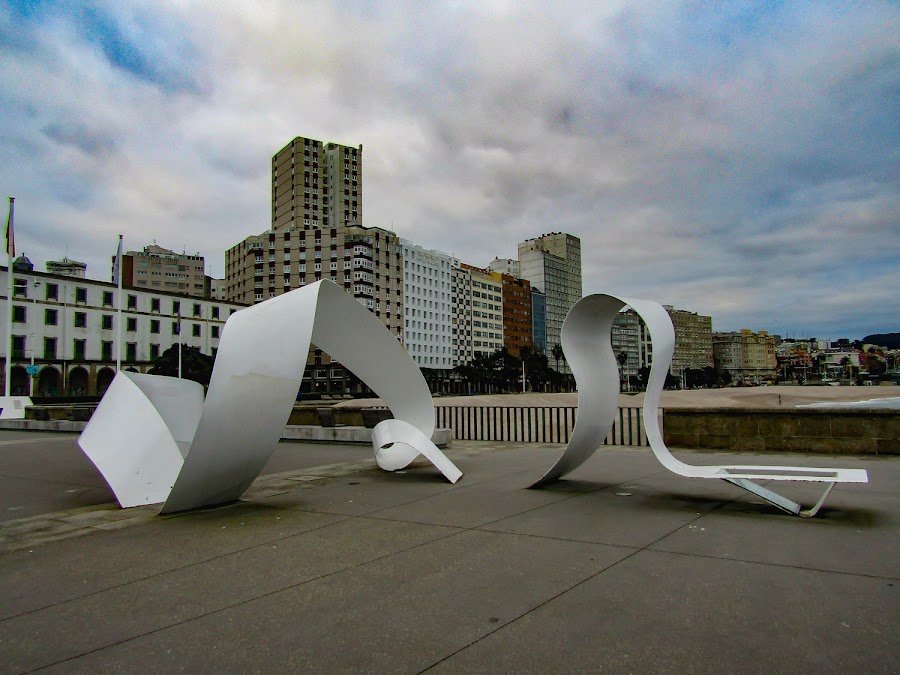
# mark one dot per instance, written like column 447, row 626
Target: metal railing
column 533, row 424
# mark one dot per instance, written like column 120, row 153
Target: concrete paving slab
column 41, row 576
column 664, row 613
column 478, row 504
column 620, row 517
column 854, row 533
column 31, row 640
column 401, row 614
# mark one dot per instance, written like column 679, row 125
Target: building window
column 106, row 322
column 215, row 312
column 176, row 330
column 78, row 349
column 107, row 298
column 49, row 348
column 196, row 309
column 52, row 292
column 215, row 332
column 131, row 351
column 131, row 324
column 80, row 294
column 154, row 325
column 106, row 350
column 154, row 304
column 18, row 346
column 154, row 352
column 80, row 319
column 19, row 314
column 49, row 317
column 196, row 329
column 20, row 287
column 132, row 302
column 176, row 307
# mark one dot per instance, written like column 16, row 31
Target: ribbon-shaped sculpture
column 586, row 340
column 155, row 439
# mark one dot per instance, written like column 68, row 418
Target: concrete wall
column 788, row 430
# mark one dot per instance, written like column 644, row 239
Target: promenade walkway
column 335, row 566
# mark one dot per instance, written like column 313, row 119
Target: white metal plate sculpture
column 154, row 438
column 586, row 340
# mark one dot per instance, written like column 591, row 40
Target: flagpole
column 179, row 341
column 119, row 307
column 10, row 252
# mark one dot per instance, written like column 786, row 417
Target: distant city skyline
column 738, row 160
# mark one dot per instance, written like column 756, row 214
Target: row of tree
column 495, row 373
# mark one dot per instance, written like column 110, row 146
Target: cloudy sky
column 738, row 159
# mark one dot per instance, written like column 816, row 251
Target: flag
column 10, row 232
column 117, row 263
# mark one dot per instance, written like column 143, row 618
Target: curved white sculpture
column 155, row 439
column 587, row 343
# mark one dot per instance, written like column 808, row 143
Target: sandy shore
column 734, row 397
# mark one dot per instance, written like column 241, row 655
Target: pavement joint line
column 605, row 569
column 254, row 599
column 804, row 568
column 179, row 568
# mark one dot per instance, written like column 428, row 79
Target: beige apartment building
column 159, row 269
column 477, row 313
column 749, row 357
column 693, row 341
column 316, row 185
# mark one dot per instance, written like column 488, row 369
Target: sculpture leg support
column 777, row 500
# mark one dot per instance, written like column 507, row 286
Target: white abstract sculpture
column 586, row 341
column 154, row 438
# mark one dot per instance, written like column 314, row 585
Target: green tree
column 195, row 365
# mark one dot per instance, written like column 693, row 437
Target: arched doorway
column 48, row 382
column 78, row 382
column 18, row 382
column 104, row 379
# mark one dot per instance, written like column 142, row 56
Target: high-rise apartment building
column 477, row 313
column 365, row 261
column 552, row 263
column 693, row 340
column 539, row 320
column 316, row 185
column 517, row 329
column 428, row 305
column 626, row 342
column 159, row 269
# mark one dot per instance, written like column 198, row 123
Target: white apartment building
column 66, row 327
column 505, row 266
column 428, row 305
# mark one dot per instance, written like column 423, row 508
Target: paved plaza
column 331, row 565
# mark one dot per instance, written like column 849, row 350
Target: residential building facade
column 693, row 341
column 518, row 334
column 552, row 264
column 316, row 185
column 747, row 356
column 428, row 305
column 158, row 269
